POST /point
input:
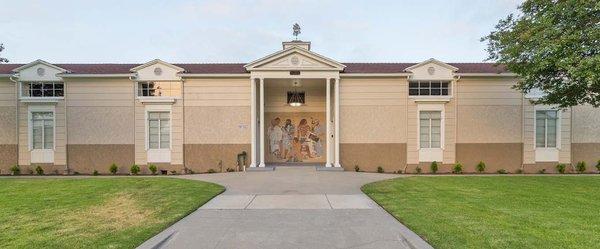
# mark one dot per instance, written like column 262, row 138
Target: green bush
column 15, row 170
column 152, row 169
column 230, row 170
column 210, row 171
column 434, row 167
column 480, row 167
column 113, row 169
column 502, row 171
column 380, row 169
column 561, row 168
column 135, row 169
column 418, row 170
column 598, row 166
column 356, row 168
column 95, row 173
column 39, row 171
column 457, row 168
column 542, row 171
column 580, row 167
column 519, row 171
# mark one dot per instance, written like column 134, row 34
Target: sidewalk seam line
column 253, row 197
column 327, row 197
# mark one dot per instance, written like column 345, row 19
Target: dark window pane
column 413, row 92
column 36, row 93
column 413, row 84
column 424, row 84
column 59, row 86
column 435, row 84
column 435, row 91
column 59, row 93
column 444, row 91
column 445, row 84
column 424, row 92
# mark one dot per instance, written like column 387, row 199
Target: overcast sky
column 123, row 31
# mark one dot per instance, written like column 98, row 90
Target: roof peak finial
column 296, row 30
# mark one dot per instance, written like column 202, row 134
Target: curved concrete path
column 291, row 207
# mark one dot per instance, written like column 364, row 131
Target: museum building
column 293, row 107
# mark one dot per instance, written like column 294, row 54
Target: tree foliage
column 1, row 49
column 554, row 46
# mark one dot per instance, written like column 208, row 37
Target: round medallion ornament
column 158, row 71
column 41, row 71
column 431, row 70
column 295, row 61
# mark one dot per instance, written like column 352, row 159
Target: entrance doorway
column 295, row 122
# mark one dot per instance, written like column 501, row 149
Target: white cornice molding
column 342, row 75
column 208, row 75
column 66, row 75
column 487, row 74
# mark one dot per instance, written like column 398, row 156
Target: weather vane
column 296, row 29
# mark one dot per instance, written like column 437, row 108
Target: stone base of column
column 337, row 165
column 261, row 165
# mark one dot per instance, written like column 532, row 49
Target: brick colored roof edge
column 238, row 68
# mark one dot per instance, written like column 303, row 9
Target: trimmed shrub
column 380, row 169
column 502, row 171
column 519, row 171
column 598, row 166
column 480, row 167
column 15, row 170
column 39, row 171
column 580, row 168
column 356, row 168
column 457, row 169
column 230, row 170
column 210, row 171
column 135, row 169
column 113, row 169
column 542, row 171
column 95, row 173
column 152, row 169
column 418, row 170
column 434, row 167
column 561, row 168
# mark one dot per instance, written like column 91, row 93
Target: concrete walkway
column 291, row 207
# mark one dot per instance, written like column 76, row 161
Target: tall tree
column 554, row 46
column 2, row 59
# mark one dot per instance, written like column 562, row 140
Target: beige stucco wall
column 100, row 111
column 586, row 135
column 373, row 118
column 216, row 121
column 8, row 122
column 489, row 111
column 373, row 110
column 217, row 111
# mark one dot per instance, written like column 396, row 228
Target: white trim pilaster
column 328, row 122
column 337, row 122
column 262, row 123
column 253, row 153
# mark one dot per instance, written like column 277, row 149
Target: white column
column 262, row 123
column 253, row 153
column 328, row 123
column 337, row 122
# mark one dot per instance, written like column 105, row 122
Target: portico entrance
column 294, row 108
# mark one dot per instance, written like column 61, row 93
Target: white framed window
column 42, row 130
column 546, row 128
column 429, row 88
column 159, row 130
column 42, row 89
column 159, row 89
column 430, row 129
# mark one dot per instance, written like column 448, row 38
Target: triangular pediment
column 432, row 69
column 157, row 70
column 295, row 58
column 39, row 70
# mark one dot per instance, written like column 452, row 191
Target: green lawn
column 94, row 212
column 496, row 211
